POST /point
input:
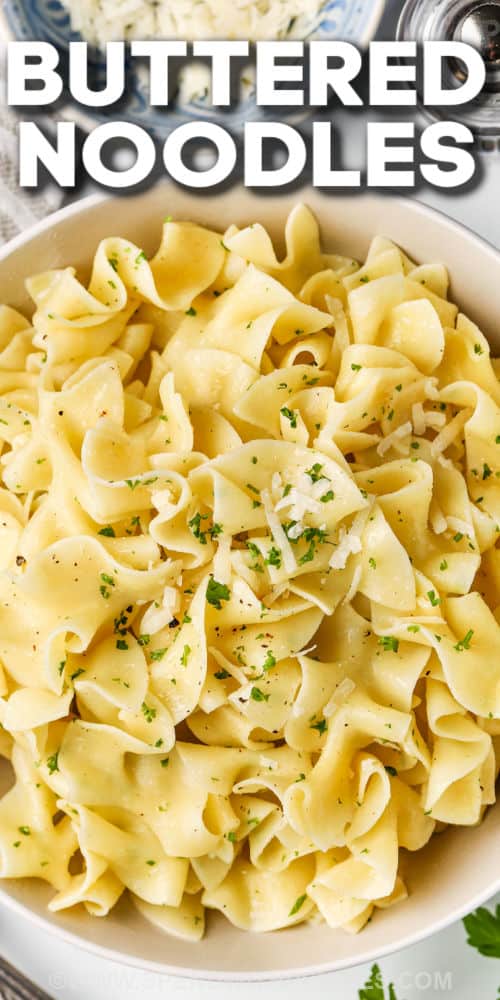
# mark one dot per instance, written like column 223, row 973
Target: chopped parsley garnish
column 191, row 311
column 257, row 695
column 185, row 655
column 391, row 770
column 158, row 654
column 217, row 592
column 25, row 830
column 478, row 349
column 327, row 497
column 486, row 471
column 222, row 675
column 431, row 594
column 290, row 415
column 144, row 640
column 195, row 525
column 140, row 257
column 122, row 644
column 253, row 488
column 297, row 905
column 389, row 642
column 274, row 557
column 356, row 368
column 148, row 712
column 52, row 763
column 413, row 628
column 321, row 726
column 465, row 642
column 270, row 661
column 108, row 532
column 458, row 537
column 314, row 472
column 443, row 565
column 372, row 562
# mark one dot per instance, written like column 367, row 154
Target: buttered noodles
column 249, row 577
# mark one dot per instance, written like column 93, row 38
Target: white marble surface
column 442, row 967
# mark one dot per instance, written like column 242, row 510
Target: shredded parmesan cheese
column 339, row 696
column 276, row 529
column 394, row 438
column 446, row 437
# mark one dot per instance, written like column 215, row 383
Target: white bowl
column 460, row 868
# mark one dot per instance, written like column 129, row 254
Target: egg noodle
column 249, row 587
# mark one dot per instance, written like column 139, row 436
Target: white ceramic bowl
column 460, row 868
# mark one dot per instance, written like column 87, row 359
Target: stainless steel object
column 15, row 986
column 478, row 24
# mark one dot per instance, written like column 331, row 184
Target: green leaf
column 483, row 931
column 374, row 987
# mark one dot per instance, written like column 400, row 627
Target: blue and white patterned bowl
column 354, row 21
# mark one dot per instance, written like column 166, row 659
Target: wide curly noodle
column 250, row 582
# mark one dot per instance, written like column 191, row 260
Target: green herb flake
column 315, row 472
column 289, row 415
column 217, row 592
column 273, row 557
column 321, row 726
column 148, row 712
column 108, row 532
column 465, row 642
column 297, row 905
column 270, row 661
column 257, row 695
column 52, row 763
column 389, row 643
column 158, row 654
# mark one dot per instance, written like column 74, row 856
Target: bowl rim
column 375, row 953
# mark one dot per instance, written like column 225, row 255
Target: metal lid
column 478, row 24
